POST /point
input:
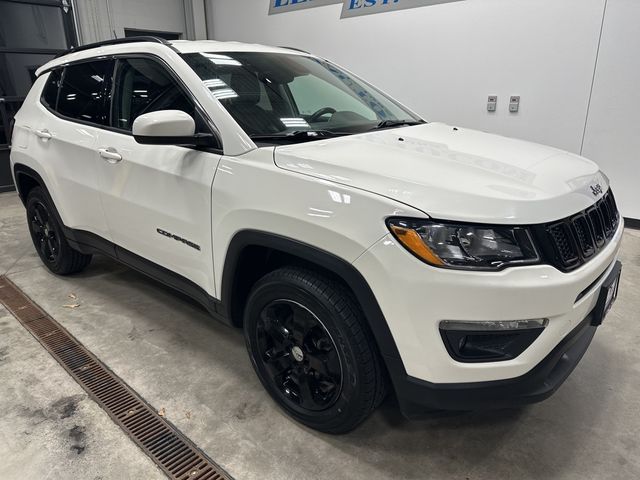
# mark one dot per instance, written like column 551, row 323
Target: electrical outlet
column 492, row 103
column 514, row 103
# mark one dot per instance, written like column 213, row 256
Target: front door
column 156, row 198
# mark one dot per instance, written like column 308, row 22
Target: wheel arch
column 250, row 246
column 27, row 179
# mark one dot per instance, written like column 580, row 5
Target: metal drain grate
column 166, row 445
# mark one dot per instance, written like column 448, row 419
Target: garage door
column 31, row 33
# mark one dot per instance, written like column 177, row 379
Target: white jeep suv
column 362, row 249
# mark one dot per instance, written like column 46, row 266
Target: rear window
column 50, row 92
column 85, row 90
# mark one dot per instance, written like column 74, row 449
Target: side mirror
column 170, row 127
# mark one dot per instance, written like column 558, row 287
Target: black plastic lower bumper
column 417, row 397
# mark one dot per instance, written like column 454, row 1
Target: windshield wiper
column 397, row 123
column 302, row 135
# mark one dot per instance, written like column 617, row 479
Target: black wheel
column 312, row 350
column 48, row 238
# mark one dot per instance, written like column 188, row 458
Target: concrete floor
column 169, row 350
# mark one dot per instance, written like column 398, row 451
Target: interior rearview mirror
column 170, row 127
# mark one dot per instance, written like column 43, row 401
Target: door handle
column 44, row 134
column 110, row 154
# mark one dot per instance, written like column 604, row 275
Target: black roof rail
column 114, row 41
column 294, row 48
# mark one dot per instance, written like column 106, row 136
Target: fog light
column 489, row 341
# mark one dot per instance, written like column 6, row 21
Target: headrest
column 247, row 86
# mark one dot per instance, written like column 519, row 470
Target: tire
column 312, row 350
column 48, row 236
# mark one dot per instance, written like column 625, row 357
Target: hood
column 454, row 174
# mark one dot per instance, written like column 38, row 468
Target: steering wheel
column 323, row 111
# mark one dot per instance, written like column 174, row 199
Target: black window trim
column 46, row 85
column 174, row 76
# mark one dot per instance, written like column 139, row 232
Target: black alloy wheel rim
column 298, row 356
column 44, row 233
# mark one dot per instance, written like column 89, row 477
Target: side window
column 50, row 92
column 142, row 86
column 83, row 91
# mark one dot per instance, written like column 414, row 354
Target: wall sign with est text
column 352, row 8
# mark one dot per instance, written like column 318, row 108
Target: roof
column 141, row 45
column 192, row 46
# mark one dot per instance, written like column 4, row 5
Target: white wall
column 93, row 20
column 444, row 60
column 164, row 15
column 105, row 19
column 613, row 129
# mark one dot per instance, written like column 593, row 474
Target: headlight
column 462, row 246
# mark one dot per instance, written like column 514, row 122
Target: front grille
column 575, row 240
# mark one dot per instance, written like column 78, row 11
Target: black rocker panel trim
column 87, row 242
column 341, row 268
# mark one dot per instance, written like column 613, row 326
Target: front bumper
column 415, row 298
column 418, row 396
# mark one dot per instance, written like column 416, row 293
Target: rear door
column 73, row 110
column 156, row 198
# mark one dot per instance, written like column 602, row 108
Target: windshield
column 294, row 97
